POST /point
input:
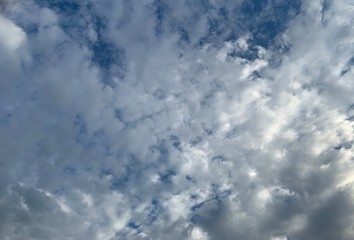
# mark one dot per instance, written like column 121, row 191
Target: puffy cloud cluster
column 177, row 120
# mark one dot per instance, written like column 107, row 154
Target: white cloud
column 181, row 136
column 197, row 234
column 11, row 35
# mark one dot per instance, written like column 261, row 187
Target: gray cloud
column 185, row 120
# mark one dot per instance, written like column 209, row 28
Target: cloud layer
column 177, row 120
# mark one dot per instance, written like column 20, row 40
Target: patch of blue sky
column 348, row 67
column 67, row 7
column 154, row 211
column 167, row 176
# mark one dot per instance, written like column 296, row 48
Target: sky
column 188, row 119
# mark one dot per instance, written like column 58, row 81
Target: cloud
column 184, row 120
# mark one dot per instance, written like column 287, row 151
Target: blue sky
column 156, row 119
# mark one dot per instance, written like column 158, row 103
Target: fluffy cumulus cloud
column 171, row 120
